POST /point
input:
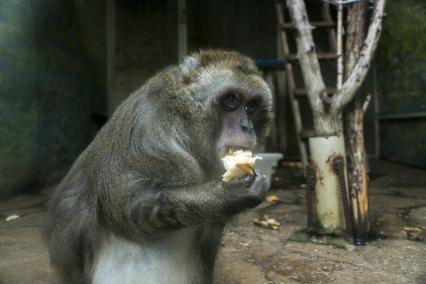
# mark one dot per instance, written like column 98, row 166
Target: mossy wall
column 402, row 82
column 51, row 84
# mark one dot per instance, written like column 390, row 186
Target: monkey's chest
column 170, row 260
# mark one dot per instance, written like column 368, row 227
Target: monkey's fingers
column 256, row 172
column 243, row 182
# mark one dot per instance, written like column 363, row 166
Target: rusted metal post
column 310, row 196
column 339, row 169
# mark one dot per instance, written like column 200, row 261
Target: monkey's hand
column 249, row 191
column 176, row 207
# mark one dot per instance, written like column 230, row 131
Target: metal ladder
column 295, row 89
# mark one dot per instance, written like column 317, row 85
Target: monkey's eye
column 252, row 106
column 231, row 101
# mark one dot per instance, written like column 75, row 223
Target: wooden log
column 354, row 115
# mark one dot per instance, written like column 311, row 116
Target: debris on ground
column 272, row 198
column 11, row 218
column 267, row 222
column 414, row 233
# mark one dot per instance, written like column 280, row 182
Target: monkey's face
column 237, row 102
column 238, row 111
column 243, row 104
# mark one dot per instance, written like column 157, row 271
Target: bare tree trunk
column 359, row 173
column 327, row 113
column 354, row 115
column 328, row 128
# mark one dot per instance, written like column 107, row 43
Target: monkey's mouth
column 227, row 149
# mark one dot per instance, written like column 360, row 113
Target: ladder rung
column 320, row 56
column 314, row 24
column 305, row 134
column 301, row 92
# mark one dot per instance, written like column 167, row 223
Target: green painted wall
column 402, row 82
column 51, row 84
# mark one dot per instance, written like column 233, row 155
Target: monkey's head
column 187, row 117
column 234, row 97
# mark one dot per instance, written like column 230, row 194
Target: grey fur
column 151, row 179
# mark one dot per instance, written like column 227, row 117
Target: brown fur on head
column 210, row 73
column 218, row 59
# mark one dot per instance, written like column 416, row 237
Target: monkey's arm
column 174, row 208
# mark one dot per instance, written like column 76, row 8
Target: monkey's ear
column 189, row 65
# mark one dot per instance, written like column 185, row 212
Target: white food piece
column 12, row 217
column 238, row 164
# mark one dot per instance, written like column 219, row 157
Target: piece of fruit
column 238, row 164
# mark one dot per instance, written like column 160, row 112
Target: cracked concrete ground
column 253, row 255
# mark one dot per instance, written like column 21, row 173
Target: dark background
column 66, row 65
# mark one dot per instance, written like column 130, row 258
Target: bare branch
column 315, row 87
column 366, row 103
column 339, row 45
column 355, row 34
column 357, row 76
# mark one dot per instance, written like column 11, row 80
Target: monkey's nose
column 247, row 127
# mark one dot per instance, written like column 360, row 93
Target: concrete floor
column 252, row 255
